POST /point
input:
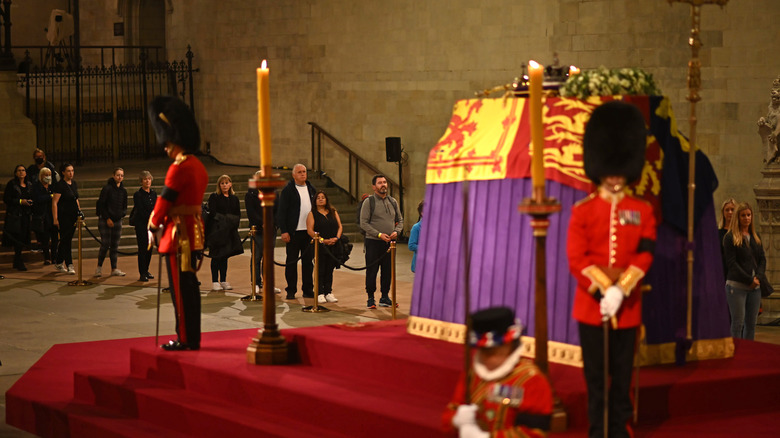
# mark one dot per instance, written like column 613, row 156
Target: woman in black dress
column 143, row 205
column 65, row 209
column 42, row 219
column 324, row 219
column 18, row 212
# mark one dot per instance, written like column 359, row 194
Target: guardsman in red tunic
column 510, row 397
column 176, row 219
column 610, row 248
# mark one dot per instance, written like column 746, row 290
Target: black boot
column 19, row 264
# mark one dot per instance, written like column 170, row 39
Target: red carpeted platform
column 371, row 380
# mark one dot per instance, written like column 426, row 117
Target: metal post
column 79, row 281
column 316, row 308
column 392, row 278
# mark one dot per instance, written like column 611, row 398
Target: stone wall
column 369, row 70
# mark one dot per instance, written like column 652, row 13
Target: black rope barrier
column 101, row 242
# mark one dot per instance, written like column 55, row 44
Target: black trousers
column 258, row 268
column 185, row 295
column 299, row 245
column 326, row 267
column 621, row 360
column 376, row 249
column 48, row 240
column 64, row 252
column 219, row 267
column 144, row 254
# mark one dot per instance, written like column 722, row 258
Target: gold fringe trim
column 568, row 354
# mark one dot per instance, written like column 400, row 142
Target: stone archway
column 144, row 25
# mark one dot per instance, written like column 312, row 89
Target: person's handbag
column 132, row 218
column 765, row 285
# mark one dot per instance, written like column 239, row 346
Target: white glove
column 150, row 239
column 466, row 414
column 472, row 431
column 611, row 301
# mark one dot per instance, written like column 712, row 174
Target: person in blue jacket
column 414, row 235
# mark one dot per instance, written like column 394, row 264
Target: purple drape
column 502, row 264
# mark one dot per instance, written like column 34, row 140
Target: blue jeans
column 743, row 305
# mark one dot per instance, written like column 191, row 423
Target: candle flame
column 574, row 70
column 264, row 65
column 533, row 64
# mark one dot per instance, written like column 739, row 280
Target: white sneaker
column 321, row 299
column 226, row 286
column 117, row 273
column 71, row 270
column 257, row 290
column 331, row 298
column 216, row 286
column 98, row 272
column 277, row 291
column 61, row 267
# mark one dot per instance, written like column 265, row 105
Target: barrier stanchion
column 392, row 278
column 253, row 295
column 316, row 308
column 79, row 281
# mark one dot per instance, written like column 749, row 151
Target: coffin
column 487, row 145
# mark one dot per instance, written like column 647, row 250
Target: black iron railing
column 97, row 113
column 359, row 170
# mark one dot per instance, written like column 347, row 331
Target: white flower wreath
column 605, row 82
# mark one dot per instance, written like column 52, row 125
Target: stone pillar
column 768, row 226
column 18, row 137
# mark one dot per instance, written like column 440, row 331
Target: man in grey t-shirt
column 382, row 223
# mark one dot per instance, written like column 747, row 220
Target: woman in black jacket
column 143, row 205
column 746, row 264
column 18, row 211
column 111, row 208
column 222, row 231
column 42, row 226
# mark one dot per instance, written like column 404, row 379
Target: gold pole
column 694, row 84
column 79, row 281
column 252, row 232
column 392, row 276
column 269, row 347
column 316, row 308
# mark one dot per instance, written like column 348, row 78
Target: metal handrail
column 355, row 162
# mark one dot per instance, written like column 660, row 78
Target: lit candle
column 573, row 70
column 264, row 115
column 537, row 132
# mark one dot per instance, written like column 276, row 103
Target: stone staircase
column 89, row 191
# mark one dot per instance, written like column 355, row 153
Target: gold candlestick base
column 270, row 347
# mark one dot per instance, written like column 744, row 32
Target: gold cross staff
column 694, row 84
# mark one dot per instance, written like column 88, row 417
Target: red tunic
column 604, row 234
column 525, row 390
column 187, row 179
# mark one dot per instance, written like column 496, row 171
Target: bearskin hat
column 614, row 142
column 494, row 326
column 174, row 122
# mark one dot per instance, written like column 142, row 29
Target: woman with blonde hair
column 726, row 213
column 222, row 231
column 746, row 263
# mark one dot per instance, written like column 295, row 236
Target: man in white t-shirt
column 295, row 203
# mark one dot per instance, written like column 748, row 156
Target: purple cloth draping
column 503, row 262
column 502, row 255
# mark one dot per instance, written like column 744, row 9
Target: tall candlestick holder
column 540, row 208
column 269, row 347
